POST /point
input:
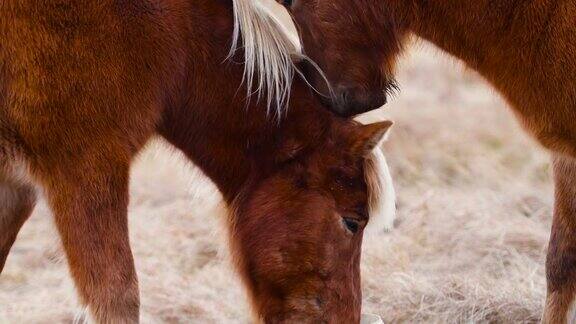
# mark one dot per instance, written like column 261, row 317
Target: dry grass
column 474, row 212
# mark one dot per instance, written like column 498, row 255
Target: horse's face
column 354, row 45
column 298, row 234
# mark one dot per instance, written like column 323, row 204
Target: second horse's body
column 525, row 49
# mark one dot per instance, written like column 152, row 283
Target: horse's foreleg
column 89, row 200
column 561, row 260
column 17, row 201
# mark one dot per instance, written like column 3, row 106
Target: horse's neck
column 232, row 142
column 479, row 31
column 220, row 146
column 496, row 38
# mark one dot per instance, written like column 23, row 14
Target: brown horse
column 525, row 49
column 84, row 85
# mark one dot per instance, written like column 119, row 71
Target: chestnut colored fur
column 84, row 85
column 525, row 49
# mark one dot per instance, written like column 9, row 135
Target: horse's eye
column 351, row 224
column 287, row 3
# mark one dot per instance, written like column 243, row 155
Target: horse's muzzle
column 349, row 101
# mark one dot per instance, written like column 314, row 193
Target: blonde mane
column 381, row 193
column 269, row 49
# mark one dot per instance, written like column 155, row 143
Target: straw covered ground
column 474, row 214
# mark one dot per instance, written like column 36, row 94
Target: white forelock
column 381, row 194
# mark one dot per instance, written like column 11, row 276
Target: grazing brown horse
column 84, row 85
column 525, row 49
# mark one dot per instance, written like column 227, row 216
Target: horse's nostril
column 343, row 96
column 319, row 302
column 384, row 98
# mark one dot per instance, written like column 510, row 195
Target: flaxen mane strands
column 268, row 51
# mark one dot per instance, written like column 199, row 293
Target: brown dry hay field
column 473, row 218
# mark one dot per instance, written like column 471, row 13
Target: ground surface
column 474, row 211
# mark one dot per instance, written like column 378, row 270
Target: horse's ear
column 367, row 137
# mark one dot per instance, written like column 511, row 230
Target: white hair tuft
column 381, row 193
column 268, row 52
